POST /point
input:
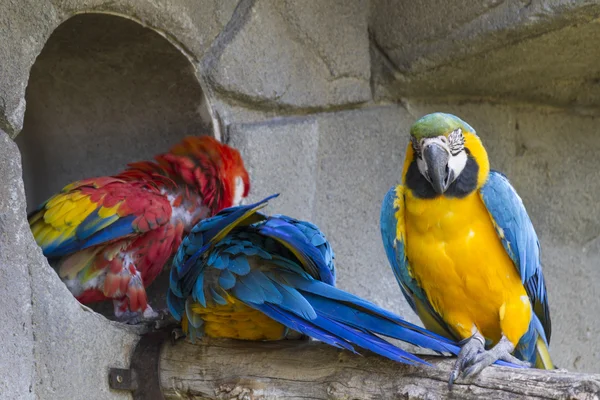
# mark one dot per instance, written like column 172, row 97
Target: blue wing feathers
column 240, row 265
column 509, row 214
column 372, row 320
column 294, row 302
column 217, row 297
column 294, row 238
column 176, row 305
column 368, row 341
column 93, row 223
column 226, row 279
column 395, row 250
column 122, row 227
column 204, row 233
column 521, row 243
column 317, row 239
column 301, row 325
column 198, row 293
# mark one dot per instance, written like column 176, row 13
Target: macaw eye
column 456, row 141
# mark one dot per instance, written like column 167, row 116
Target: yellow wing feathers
column 60, row 217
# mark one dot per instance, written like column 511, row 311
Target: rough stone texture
column 16, row 358
column 281, row 158
column 52, row 346
column 143, row 98
column 74, row 347
column 537, row 51
column 23, row 35
column 360, row 158
column 26, row 25
column 273, row 54
column 551, row 160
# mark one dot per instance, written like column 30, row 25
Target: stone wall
column 319, row 96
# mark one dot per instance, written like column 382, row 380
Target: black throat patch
column 465, row 184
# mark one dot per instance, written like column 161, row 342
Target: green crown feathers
column 437, row 124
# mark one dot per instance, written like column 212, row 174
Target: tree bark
column 219, row 369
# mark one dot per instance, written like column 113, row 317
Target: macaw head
column 215, row 169
column 447, row 151
column 235, row 174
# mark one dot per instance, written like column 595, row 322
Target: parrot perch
column 464, row 251
column 243, row 275
column 110, row 237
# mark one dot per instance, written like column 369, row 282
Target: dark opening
column 105, row 91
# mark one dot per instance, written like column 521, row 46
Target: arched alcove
column 103, row 92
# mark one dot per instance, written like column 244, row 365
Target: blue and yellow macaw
column 464, row 250
column 243, row 275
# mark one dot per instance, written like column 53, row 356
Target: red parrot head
column 215, row 169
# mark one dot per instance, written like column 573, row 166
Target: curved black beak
column 437, row 158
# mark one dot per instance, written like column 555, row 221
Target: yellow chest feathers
column 457, row 258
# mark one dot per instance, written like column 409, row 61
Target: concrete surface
column 52, row 346
column 538, row 51
column 289, row 148
column 273, row 55
column 319, row 97
column 17, row 369
column 361, row 154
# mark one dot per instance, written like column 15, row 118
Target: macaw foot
column 473, row 358
column 136, row 317
column 177, row 334
column 129, row 317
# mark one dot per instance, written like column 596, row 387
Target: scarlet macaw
column 110, row 237
column 464, row 250
column 244, row 275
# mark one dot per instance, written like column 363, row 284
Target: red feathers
column 113, row 235
column 209, row 166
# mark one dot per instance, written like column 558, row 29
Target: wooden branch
column 310, row 370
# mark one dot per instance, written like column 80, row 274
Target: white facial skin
column 239, row 191
column 453, row 143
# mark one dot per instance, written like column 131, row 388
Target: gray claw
column 470, row 349
column 501, row 351
column 148, row 317
column 176, row 334
column 453, row 377
column 514, row 360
